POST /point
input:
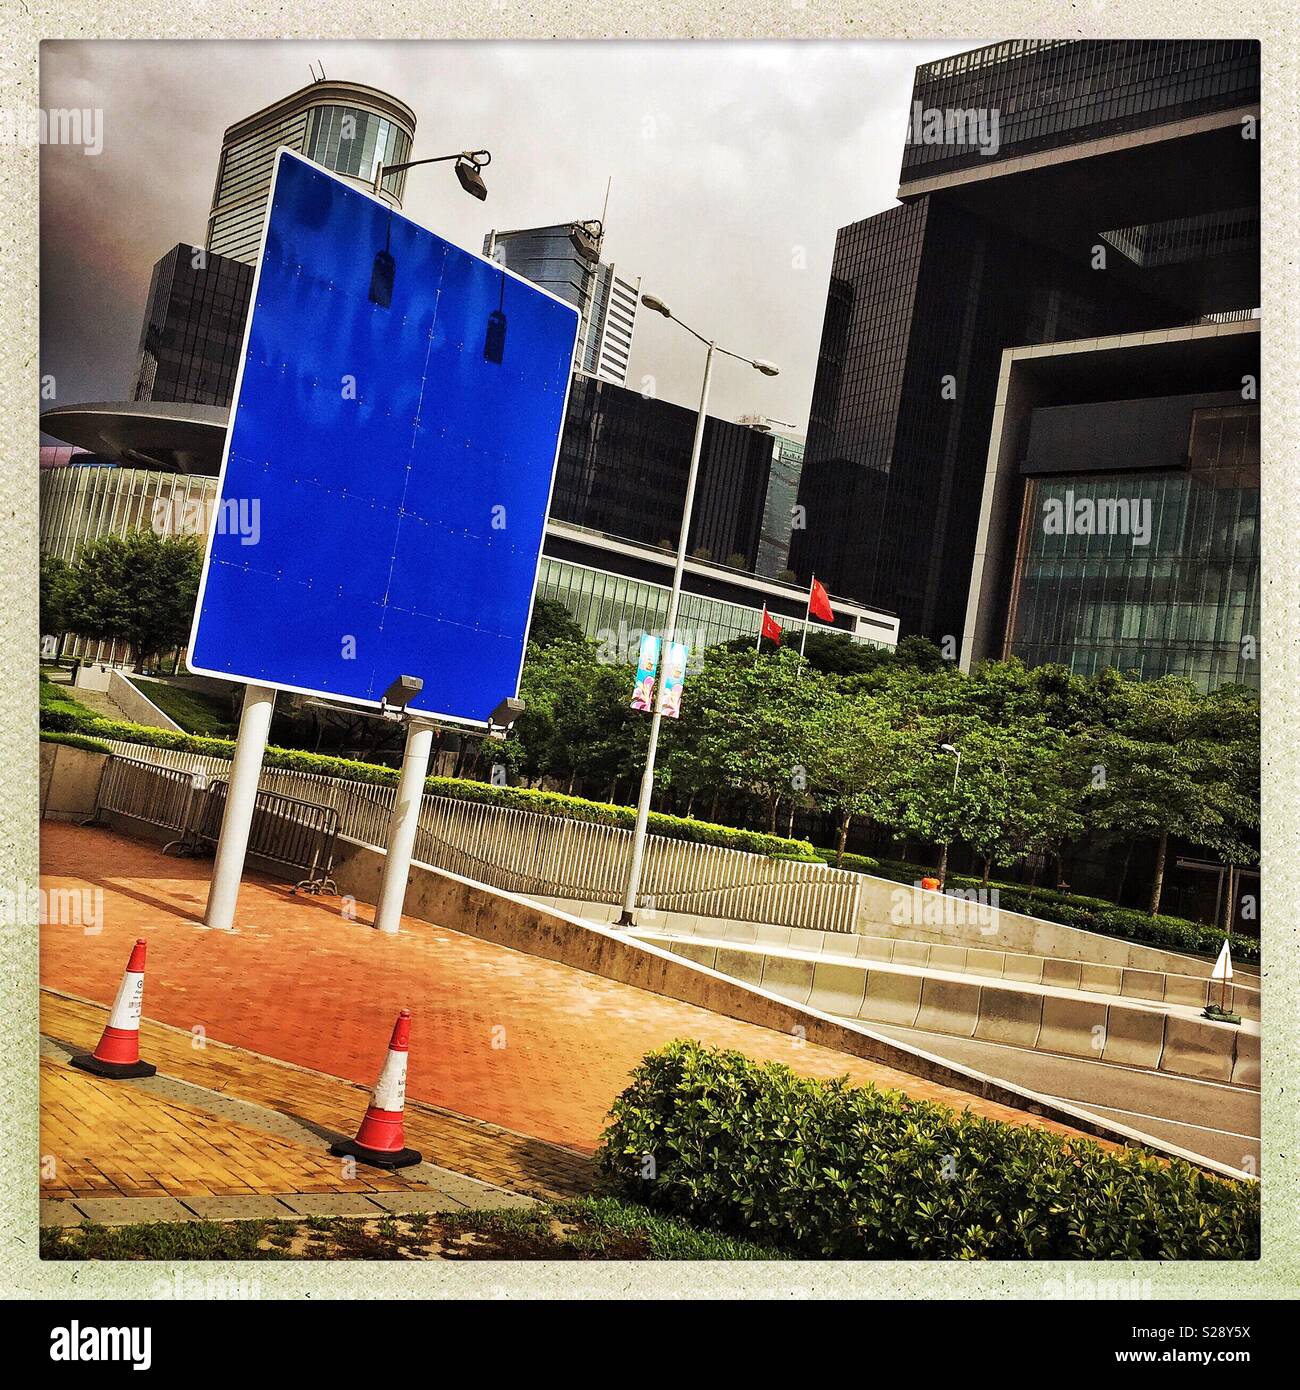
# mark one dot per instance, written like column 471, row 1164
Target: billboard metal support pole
column 626, row 918
column 403, row 824
column 237, row 819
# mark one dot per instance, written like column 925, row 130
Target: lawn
column 590, row 1228
column 194, row 711
column 60, row 699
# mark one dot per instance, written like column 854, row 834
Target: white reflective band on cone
column 390, row 1089
column 127, row 1005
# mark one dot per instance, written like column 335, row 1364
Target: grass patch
column 55, row 698
column 161, row 1240
column 589, row 1228
column 195, row 711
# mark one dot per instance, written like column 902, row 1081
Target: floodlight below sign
column 394, row 431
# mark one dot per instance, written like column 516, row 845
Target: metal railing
column 543, row 855
column 144, row 791
column 286, row 830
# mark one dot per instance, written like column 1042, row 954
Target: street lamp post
column 626, row 917
column 469, row 167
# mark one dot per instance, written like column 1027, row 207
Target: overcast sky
column 733, row 165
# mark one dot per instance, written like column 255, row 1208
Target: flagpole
column 807, row 618
column 758, row 646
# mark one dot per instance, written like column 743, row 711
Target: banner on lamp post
column 670, row 694
column 647, row 666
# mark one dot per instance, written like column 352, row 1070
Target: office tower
column 565, row 259
column 778, row 508
column 1051, row 191
column 193, row 327
column 345, row 126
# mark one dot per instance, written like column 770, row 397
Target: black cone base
column 377, row 1158
column 117, row 1071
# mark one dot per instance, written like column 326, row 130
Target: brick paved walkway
column 325, row 1105
column 528, row 1044
column 108, row 1138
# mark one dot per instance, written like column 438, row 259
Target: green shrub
column 91, row 745
column 375, row 774
column 60, row 700
column 826, row 1169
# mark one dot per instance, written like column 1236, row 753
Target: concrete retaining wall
column 1011, row 1012
column 69, row 777
column 522, row 924
column 923, row 914
column 1155, row 986
column 134, row 702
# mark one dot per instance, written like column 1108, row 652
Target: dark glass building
column 193, row 328
column 782, row 494
column 1052, row 191
column 623, row 465
column 1120, row 523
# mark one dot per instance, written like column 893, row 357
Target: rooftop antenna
column 604, row 211
column 313, row 67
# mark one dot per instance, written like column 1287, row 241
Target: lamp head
column 398, row 695
column 470, row 178
column 652, row 301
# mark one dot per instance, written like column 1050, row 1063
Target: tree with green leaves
column 744, row 727
column 856, row 757
column 139, row 588
column 1178, row 764
column 57, row 578
column 552, row 622
column 1018, row 794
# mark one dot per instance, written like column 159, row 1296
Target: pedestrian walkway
column 522, row 1043
column 109, row 1139
column 163, row 1149
column 263, row 1104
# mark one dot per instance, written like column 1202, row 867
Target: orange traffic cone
column 381, row 1140
column 118, row 1053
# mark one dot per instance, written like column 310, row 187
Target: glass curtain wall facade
column 782, row 494
column 610, row 606
column 978, row 258
column 350, row 137
column 355, row 142
column 923, row 299
column 82, row 503
column 623, row 465
column 193, row 328
column 605, row 300
column 1052, row 93
column 1186, row 603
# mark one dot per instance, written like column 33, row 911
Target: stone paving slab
column 56, row 1211
column 117, row 1211
column 409, row 1203
column 237, row 1208
column 329, row 1204
column 531, row 1045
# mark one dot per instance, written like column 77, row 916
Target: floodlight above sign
column 395, row 429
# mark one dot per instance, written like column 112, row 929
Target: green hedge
column 524, row 798
column 1075, row 910
column 91, row 745
column 825, row 1169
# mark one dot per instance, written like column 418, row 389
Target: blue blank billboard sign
column 393, row 441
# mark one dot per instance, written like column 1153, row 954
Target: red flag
column 771, row 628
column 819, row 603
